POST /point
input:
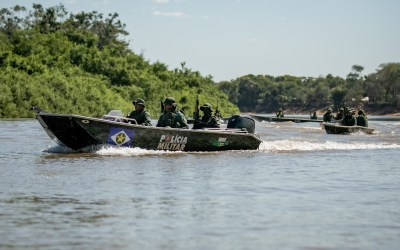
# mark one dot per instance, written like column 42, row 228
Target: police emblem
column 120, row 137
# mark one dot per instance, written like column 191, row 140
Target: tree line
column 264, row 93
column 80, row 63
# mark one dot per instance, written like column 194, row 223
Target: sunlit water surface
column 303, row 189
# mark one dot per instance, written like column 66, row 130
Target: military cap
column 138, row 101
column 169, row 100
column 206, row 106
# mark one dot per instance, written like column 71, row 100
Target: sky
column 228, row 39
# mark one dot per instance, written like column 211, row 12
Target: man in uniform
column 140, row 114
column 314, row 116
column 349, row 118
column 362, row 119
column 171, row 117
column 207, row 120
column 280, row 114
column 328, row 116
column 339, row 115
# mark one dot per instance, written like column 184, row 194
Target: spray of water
column 292, row 145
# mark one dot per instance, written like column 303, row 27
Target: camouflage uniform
column 349, row 119
column 142, row 117
column 339, row 115
column 328, row 116
column 172, row 118
column 207, row 120
column 362, row 119
column 280, row 114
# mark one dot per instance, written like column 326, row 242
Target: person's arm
column 147, row 119
column 181, row 119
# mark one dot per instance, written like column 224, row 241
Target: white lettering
column 162, row 138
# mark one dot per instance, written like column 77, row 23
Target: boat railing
column 119, row 119
column 229, row 130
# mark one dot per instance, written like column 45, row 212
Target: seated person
column 328, row 116
column 207, row 120
column 171, row 117
column 362, row 119
column 140, row 114
column 339, row 116
column 280, row 114
column 314, row 116
column 349, row 119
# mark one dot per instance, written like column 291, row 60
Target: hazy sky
column 231, row 38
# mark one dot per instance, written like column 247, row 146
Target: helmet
column 169, row 100
column 329, row 109
column 280, row 109
column 341, row 109
column 138, row 101
column 206, row 106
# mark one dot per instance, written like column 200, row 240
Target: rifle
column 217, row 113
column 162, row 106
column 196, row 113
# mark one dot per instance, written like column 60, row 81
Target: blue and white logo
column 120, row 137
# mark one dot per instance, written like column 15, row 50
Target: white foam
column 292, row 145
column 126, row 151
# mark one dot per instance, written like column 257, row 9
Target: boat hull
column 282, row 119
column 334, row 128
column 79, row 132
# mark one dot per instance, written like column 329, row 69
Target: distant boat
column 223, row 120
column 283, row 119
column 336, row 128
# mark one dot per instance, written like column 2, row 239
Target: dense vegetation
column 263, row 93
column 79, row 63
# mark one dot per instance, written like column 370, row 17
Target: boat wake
column 293, row 146
column 265, row 146
column 108, row 150
column 126, row 151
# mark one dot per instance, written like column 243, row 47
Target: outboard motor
column 243, row 122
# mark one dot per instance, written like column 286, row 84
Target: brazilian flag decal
column 120, row 137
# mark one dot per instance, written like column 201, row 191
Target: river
column 302, row 189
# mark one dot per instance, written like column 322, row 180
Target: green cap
column 138, row 101
column 206, row 106
column 169, row 100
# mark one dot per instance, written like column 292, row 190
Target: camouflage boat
column 336, row 128
column 80, row 132
column 261, row 118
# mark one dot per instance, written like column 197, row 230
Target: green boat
column 81, row 132
column 261, row 118
column 336, row 128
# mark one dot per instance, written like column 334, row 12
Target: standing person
column 171, row 117
column 207, row 120
column 328, row 116
column 280, row 113
column 362, row 119
column 349, row 118
column 314, row 116
column 140, row 114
